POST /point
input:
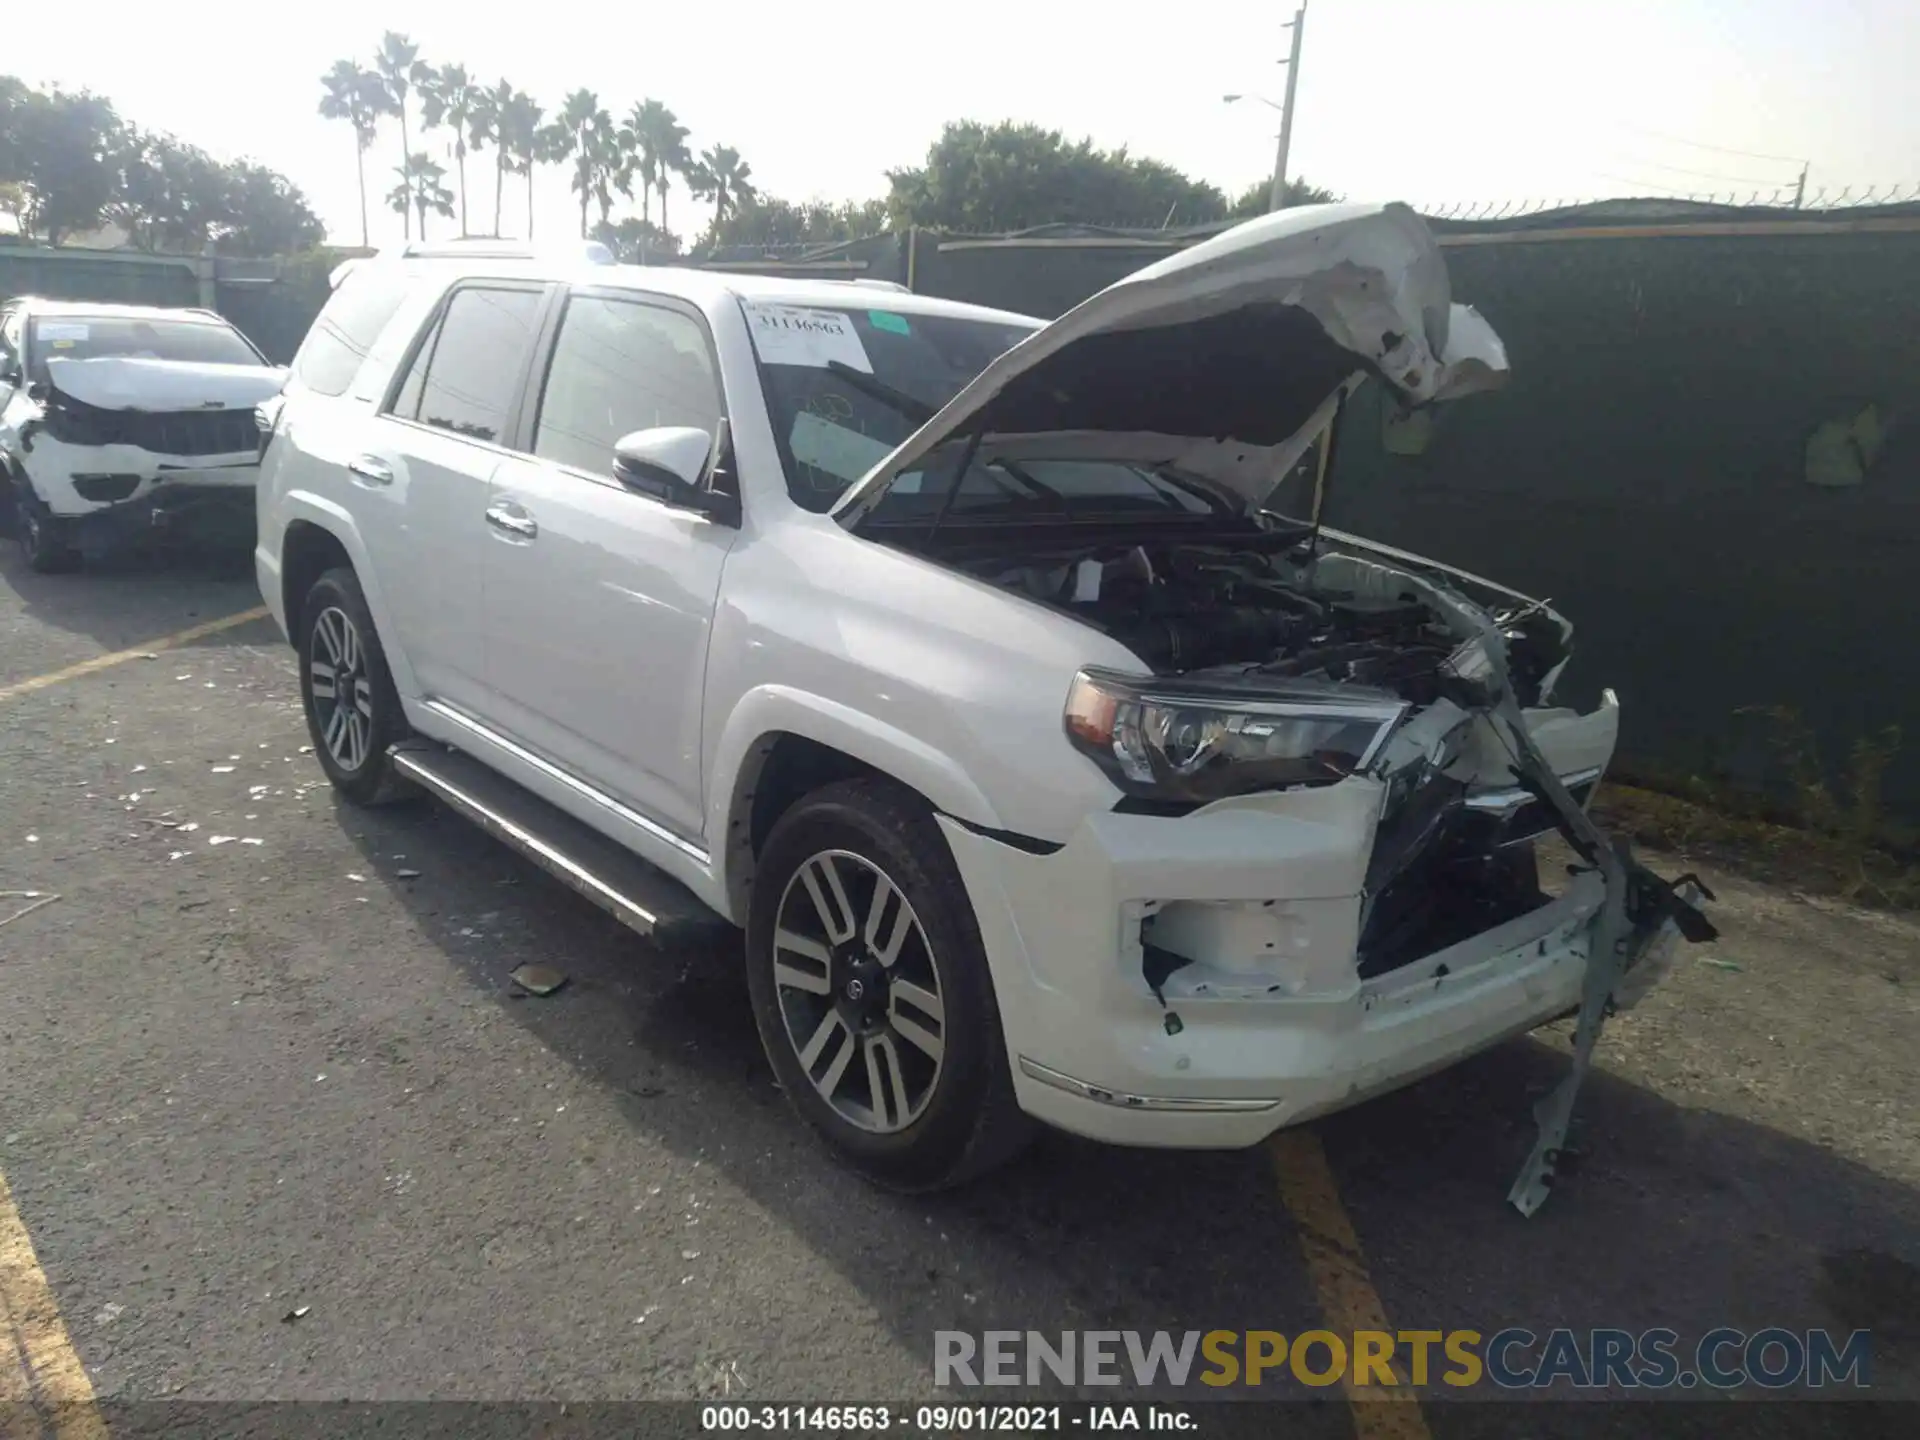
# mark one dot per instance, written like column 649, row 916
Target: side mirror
column 672, row 463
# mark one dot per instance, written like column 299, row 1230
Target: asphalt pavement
column 279, row 1127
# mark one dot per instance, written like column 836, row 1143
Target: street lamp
column 1292, row 62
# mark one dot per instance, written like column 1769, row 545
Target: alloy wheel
column 856, row 981
column 341, row 687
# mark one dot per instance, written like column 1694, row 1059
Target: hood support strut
column 1323, row 472
column 971, row 449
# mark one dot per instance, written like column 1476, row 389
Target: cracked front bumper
column 1221, row 1059
column 78, row 481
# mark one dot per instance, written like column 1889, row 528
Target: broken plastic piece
column 538, row 979
column 34, row 898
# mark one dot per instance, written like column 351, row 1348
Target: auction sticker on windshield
column 796, row 335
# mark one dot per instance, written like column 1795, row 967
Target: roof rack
column 592, row 251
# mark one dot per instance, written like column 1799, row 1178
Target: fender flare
column 327, row 515
column 768, row 710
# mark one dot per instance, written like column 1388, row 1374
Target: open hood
column 122, row 383
column 1227, row 359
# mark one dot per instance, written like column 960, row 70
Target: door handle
column 371, row 468
column 514, row 522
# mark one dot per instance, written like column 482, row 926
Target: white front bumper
column 54, row 465
column 1276, row 1037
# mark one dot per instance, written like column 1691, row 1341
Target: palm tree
column 640, row 155
column 421, row 189
column 489, row 125
column 584, row 133
column 397, row 62
column 723, row 177
column 450, row 98
column 528, row 141
column 657, row 142
column 610, row 171
column 356, row 96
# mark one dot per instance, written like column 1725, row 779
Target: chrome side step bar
column 641, row 897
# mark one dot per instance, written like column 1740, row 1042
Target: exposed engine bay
column 1270, row 607
column 1280, row 608
column 1463, row 664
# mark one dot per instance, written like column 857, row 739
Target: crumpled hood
column 121, row 383
column 1226, row 359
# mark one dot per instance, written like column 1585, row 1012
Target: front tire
column 871, row 990
column 42, row 535
column 353, row 710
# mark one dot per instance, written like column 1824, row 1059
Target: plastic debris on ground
column 538, row 979
column 34, row 898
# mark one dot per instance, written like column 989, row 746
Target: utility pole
column 1800, row 189
column 1297, row 24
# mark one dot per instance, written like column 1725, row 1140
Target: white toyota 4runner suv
column 957, row 659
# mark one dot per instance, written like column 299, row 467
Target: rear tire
column 353, row 710
column 43, row 536
column 877, row 1011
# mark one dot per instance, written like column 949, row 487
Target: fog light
column 105, row 488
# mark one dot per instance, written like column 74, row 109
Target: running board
column 640, row 896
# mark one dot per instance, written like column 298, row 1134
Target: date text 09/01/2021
column 941, row 1419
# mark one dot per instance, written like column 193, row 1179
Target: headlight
column 1184, row 741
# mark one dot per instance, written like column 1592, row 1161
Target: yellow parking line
column 17, row 1420
column 120, row 657
column 1345, row 1291
column 35, row 1353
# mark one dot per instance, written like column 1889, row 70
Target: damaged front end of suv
column 1276, row 655
column 1394, row 674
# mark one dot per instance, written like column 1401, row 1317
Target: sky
column 1470, row 100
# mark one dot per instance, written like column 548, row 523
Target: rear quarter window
column 338, row 343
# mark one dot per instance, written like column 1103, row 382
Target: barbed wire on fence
column 1785, row 198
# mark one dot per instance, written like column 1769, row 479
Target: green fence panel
column 275, row 315
column 1701, row 458
column 109, row 279
column 1707, row 457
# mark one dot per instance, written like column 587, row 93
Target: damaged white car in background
column 118, row 420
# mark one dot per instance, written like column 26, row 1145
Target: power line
column 1723, row 149
column 1773, row 180
column 1662, row 192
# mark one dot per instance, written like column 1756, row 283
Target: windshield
column 832, row 428
column 844, row 386
column 92, row 337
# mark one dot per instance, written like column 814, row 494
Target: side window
column 10, row 334
column 463, row 376
column 620, row 366
column 406, row 403
column 347, row 327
